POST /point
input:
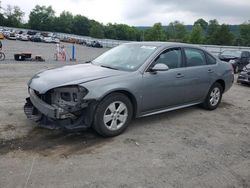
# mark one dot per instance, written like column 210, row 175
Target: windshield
column 128, row 57
column 231, row 53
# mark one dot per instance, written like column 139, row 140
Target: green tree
column 202, row 23
column 177, row 32
column 81, row 25
column 223, row 36
column 110, row 31
column 13, row 16
column 125, row 32
column 121, row 32
column 156, row 33
column 196, row 36
column 2, row 19
column 212, row 28
column 96, row 30
column 64, row 22
column 245, row 33
column 42, row 18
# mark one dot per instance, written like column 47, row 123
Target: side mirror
column 159, row 67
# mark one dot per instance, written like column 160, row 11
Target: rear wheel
column 214, row 96
column 2, row 56
column 113, row 115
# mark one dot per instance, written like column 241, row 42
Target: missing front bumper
column 46, row 117
column 48, row 110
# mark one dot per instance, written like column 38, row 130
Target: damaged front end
column 62, row 107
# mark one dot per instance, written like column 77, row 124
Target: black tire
column 2, row 56
column 207, row 103
column 99, row 124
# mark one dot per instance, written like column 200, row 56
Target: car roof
column 164, row 44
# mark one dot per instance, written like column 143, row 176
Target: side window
column 172, row 58
column 194, row 57
column 211, row 60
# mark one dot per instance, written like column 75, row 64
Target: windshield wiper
column 106, row 66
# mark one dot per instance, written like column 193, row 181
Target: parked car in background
column 96, row 44
column 88, row 43
column 37, row 38
column 244, row 75
column 47, row 39
column 237, row 58
column 12, row 36
column 129, row 81
column 18, row 36
column 81, row 42
column 24, row 37
column 55, row 40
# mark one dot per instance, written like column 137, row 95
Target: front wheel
column 214, row 96
column 113, row 115
column 2, row 56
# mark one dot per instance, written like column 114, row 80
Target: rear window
column 194, row 57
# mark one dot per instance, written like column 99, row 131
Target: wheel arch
column 128, row 94
column 222, row 83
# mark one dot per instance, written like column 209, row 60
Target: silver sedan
column 130, row 81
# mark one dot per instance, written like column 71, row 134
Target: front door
column 164, row 89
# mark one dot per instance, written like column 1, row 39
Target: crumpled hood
column 69, row 75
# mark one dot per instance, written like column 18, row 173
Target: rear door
column 198, row 75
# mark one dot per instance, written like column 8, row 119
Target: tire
column 213, row 98
column 108, row 120
column 2, row 56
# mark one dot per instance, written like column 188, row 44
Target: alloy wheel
column 215, row 96
column 115, row 115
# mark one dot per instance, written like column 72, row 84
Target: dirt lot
column 184, row 148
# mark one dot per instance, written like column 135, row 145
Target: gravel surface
column 189, row 148
column 47, row 51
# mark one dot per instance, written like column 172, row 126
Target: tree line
column 43, row 18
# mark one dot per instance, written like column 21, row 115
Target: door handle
column 179, row 75
column 210, row 71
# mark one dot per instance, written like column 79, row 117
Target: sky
column 146, row 12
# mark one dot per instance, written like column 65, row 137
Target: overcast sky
column 146, row 12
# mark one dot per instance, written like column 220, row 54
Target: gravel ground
column 47, row 51
column 189, row 148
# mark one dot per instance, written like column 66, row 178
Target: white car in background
column 24, row 37
column 47, row 39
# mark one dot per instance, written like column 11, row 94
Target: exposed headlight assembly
column 70, row 98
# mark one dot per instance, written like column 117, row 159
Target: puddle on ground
column 55, row 143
